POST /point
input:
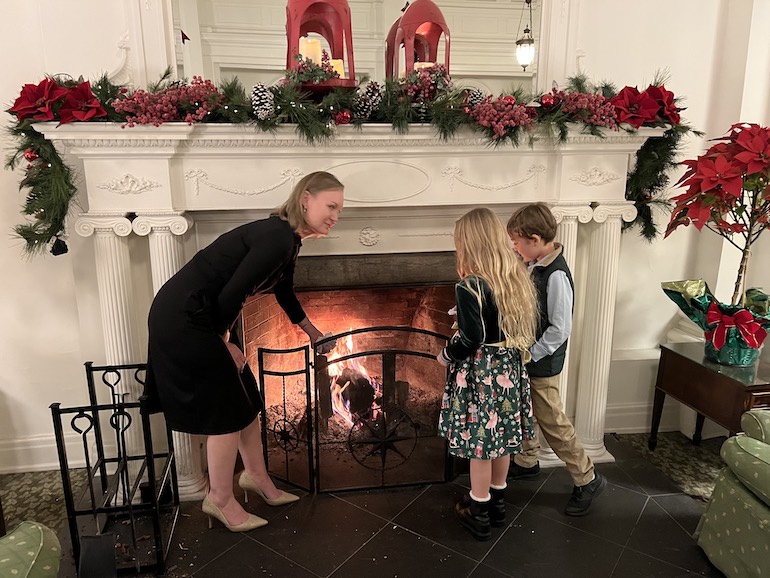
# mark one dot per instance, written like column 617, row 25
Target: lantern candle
column 310, row 48
column 338, row 66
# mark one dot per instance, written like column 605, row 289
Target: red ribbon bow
column 751, row 331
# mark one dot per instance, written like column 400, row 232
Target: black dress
column 191, row 375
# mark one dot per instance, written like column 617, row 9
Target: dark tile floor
column 641, row 526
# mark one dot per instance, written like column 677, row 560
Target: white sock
column 482, row 500
column 494, row 487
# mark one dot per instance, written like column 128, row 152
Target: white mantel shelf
column 147, row 168
column 403, row 193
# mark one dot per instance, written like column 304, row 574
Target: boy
column 533, row 230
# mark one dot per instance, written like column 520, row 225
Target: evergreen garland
column 647, row 182
column 51, row 189
column 426, row 96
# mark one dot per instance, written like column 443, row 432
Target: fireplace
column 168, row 191
column 366, row 414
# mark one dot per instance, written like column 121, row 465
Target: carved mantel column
column 596, row 343
column 568, row 216
column 116, row 300
column 164, row 231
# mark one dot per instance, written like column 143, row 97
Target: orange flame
column 339, row 405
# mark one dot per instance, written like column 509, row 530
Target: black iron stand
column 107, row 511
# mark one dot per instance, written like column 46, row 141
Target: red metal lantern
column 419, row 31
column 328, row 18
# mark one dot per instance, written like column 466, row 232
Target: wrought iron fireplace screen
column 369, row 418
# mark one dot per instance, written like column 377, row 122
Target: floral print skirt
column 486, row 410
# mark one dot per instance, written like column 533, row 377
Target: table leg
column 657, row 412
column 696, row 437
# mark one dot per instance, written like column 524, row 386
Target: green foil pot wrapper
column 757, row 301
column 734, row 352
column 694, row 299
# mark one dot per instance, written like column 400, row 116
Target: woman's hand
column 325, row 348
column 238, row 357
column 314, row 334
column 443, row 358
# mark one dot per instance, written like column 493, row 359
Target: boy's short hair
column 534, row 219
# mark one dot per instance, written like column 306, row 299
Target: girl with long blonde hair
column 486, row 410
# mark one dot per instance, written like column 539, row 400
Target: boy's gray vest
column 549, row 365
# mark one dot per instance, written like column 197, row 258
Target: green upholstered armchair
column 734, row 532
column 31, row 550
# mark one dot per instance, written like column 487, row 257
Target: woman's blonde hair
column 483, row 249
column 313, row 183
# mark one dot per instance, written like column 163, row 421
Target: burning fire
column 341, row 374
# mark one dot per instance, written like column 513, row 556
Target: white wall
column 49, row 329
column 50, row 307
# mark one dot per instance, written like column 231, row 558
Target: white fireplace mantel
column 403, row 193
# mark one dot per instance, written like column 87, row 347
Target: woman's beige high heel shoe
column 252, row 522
column 249, row 485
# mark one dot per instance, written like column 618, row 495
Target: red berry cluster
column 187, row 102
column 326, row 65
column 500, row 115
column 422, row 85
column 589, row 108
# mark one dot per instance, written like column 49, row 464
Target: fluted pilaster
column 568, row 216
column 113, row 276
column 596, row 353
column 164, row 231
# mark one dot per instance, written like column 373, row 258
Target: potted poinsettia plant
column 728, row 192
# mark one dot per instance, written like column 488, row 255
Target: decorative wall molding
column 199, row 176
column 455, row 173
column 121, row 74
column 369, row 237
column 408, row 235
column 594, row 177
column 128, row 184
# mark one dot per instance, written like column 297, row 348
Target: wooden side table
column 718, row 392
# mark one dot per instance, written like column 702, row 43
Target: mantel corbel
column 624, row 210
column 90, row 223
column 581, row 212
column 175, row 222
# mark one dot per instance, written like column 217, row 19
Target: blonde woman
column 197, row 375
column 486, row 410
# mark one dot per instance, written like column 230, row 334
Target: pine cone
column 367, row 102
column 475, row 97
column 262, row 102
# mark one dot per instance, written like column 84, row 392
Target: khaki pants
column 557, row 430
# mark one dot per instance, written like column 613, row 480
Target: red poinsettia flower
column 80, row 104
column 665, row 100
column 37, row 100
column 753, row 149
column 633, row 107
column 720, row 173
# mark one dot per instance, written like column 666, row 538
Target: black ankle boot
column 475, row 517
column 497, row 508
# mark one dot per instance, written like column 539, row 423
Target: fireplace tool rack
column 388, row 427
column 128, row 491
